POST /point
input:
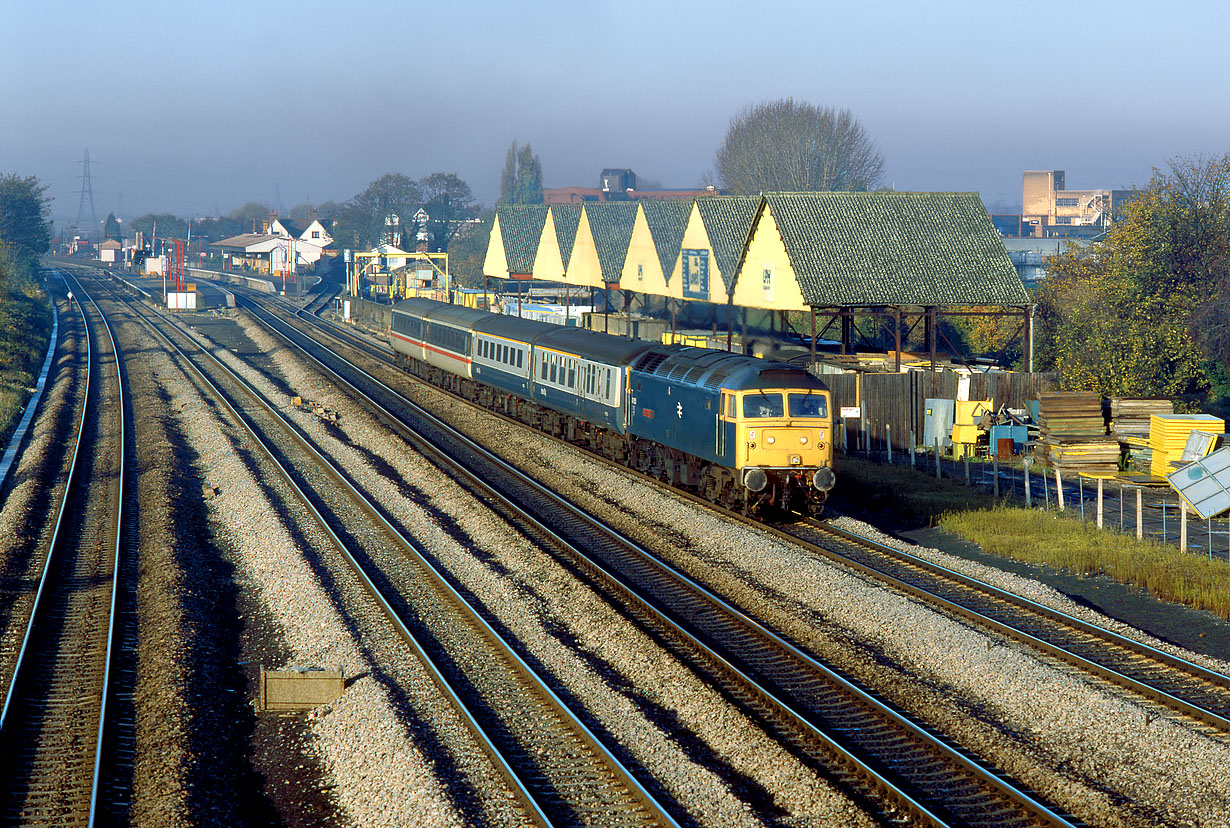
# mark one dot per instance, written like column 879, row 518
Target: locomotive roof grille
column 714, row 382
column 695, row 373
column 650, row 361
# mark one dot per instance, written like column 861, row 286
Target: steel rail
column 73, row 479
column 1214, row 686
column 861, row 768
column 944, row 576
column 538, row 812
column 55, row 535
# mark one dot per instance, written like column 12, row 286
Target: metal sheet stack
column 1072, row 432
column 1168, row 437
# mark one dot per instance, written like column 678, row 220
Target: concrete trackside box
column 284, row 690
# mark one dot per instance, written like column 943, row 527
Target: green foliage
column 111, row 228
column 25, row 231
column 162, row 226
column 25, row 328
column 1143, row 312
column 521, row 180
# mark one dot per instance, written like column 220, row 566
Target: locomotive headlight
column 770, row 440
column 803, row 440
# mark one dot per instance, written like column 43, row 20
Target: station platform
column 204, row 295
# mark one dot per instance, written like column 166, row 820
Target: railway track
column 556, row 767
column 1166, row 679
column 1172, row 683
column 55, row 717
column 886, row 761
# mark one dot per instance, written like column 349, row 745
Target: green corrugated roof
column 567, row 218
column 667, row 219
column 728, row 219
column 521, row 230
column 611, row 224
column 895, row 249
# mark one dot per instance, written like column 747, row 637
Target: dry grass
column 911, row 496
column 25, row 329
column 1044, row 537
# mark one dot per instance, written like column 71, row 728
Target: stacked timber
column 1130, row 416
column 1072, row 434
column 1130, row 423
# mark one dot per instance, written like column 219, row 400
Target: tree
column 787, row 147
column 508, row 178
column 249, row 216
column 521, row 180
column 162, row 226
column 24, row 226
column 1143, row 312
column 468, row 249
column 449, row 202
column 529, row 177
column 111, row 228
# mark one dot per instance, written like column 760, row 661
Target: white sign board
column 851, row 412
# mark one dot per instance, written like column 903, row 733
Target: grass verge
column 25, row 329
column 1045, row 537
column 912, row 497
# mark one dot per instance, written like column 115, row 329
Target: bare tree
column 785, row 146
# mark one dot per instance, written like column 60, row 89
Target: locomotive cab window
column 762, row 405
column 808, row 405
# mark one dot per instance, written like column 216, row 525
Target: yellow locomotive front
column 783, row 445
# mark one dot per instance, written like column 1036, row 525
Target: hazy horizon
column 196, row 110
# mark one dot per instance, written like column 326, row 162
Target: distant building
column 109, row 251
column 1049, row 209
column 616, row 185
column 270, row 251
column 1029, row 256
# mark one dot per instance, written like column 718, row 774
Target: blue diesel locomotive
column 748, row 434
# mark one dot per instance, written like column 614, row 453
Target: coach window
column 520, row 359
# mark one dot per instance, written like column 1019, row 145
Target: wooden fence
column 899, row 400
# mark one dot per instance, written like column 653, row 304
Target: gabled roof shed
column 810, row 250
column 515, row 234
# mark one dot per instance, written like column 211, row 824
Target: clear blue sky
column 194, row 108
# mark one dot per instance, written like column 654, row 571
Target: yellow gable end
column 548, row 261
column 766, row 279
column 584, row 270
column 495, row 265
column 696, row 238
column 642, row 271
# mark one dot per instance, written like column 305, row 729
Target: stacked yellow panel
column 1168, row 436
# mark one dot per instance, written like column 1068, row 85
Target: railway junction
column 527, row 634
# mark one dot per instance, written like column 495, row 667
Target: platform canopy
column 882, row 249
column 515, row 235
